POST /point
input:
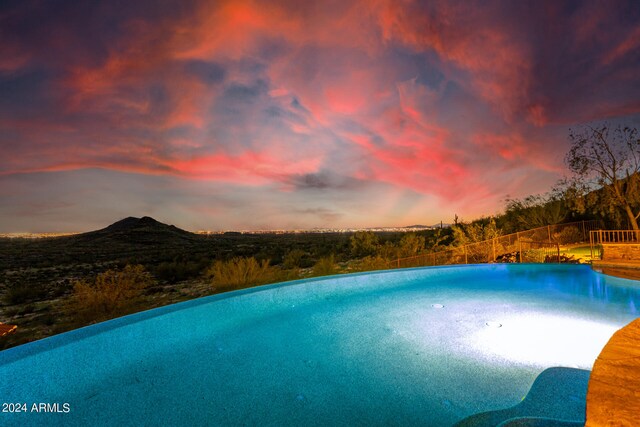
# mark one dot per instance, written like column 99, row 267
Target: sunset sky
column 298, row 114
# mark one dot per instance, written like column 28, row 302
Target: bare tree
column 606, row 158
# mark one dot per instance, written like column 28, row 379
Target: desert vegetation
column 110, row 294
column 241, row 272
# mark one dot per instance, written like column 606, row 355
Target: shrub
column 569, row 234
column 371, row 263
column 241, row 272
column 293, row 259
column 411, row 245
column 388, row 251
column 178, row 271
column 21, row 293
column 325, row 266
column 111, row 293
column 363, row 243
column 540, row 235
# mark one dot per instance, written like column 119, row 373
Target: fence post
column 591, row 243
column 494, row 249
column 584, row 232
column 466, row 260
column 549, row 232
column 398, row 262
column 558, row 250
column 519, row 245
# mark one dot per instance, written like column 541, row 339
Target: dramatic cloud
column 333, row 113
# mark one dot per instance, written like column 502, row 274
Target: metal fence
column 599, row 237
column 540, row 244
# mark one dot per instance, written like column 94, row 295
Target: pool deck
column 625, row 268
column 613, row 396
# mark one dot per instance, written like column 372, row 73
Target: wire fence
column 540, row 244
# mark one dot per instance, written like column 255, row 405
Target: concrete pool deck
column 625, row 269
column 613, row 396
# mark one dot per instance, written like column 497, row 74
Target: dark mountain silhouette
column 131, row 223
column 140, row 229
column 131, row 240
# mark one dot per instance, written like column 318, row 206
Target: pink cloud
column 251, row 168
column 509, row 147
column 628, row 44
column 413, row 156
column 498, row 64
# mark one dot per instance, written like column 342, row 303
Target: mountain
column 132, row 240
column 146, row 224
column 133, row 223
column 145, row 231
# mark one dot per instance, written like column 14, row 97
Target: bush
column 293, row 259
column 112, row 293
column 569, row 234
column 241, row 272
column 325, row 266
column 411, row 245
column 363, row 243
column 22, row 293
column 388, row 251
column 178, row 271
column 371, row 263
column 540, row 235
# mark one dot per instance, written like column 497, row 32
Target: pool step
column 557, row 398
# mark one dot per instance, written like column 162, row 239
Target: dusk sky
column 297, row 114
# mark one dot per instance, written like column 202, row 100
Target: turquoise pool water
column 424, row 346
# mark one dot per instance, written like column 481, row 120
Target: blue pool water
column 424, row 346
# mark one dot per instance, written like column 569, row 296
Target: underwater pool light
column 544, row 339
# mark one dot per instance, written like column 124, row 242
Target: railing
column 599, row 237
column 614, row 236
column 540, row 244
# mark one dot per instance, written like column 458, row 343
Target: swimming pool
column 426, row 346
